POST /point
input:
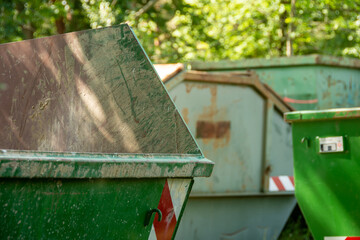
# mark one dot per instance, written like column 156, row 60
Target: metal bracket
column 149, row 215
column 306, row 140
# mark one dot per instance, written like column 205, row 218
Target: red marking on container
column 165, row 228
column 292, row 180
column 291, row 100
column 278, row 183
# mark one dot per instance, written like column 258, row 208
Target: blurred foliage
column 185, row 30
column 296, row 228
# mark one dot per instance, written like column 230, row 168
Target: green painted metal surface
column 305, row 82
column 327, row 185
column 77, row 209
column 344, row 113
column 91, row 143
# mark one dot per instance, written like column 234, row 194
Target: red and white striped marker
column 341, row 238
column 281, row 183
column 171, row 202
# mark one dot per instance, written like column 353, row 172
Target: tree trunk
column 289, row 46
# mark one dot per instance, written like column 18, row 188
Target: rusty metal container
column 92, row 147
column 238, row 123
column 310, row 82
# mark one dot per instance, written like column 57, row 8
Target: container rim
column 36, row 164
column 336, row 113
column 253, row 63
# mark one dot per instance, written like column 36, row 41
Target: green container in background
column 310, row 82
column 92, row 146
column 326, row 170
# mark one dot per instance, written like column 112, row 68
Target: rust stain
column 222, row 142
column 222, row 129
column 217, row 130
column 208, row 129
column 268, row 170
column 210, row 111
column 190, row 86
column 205, row 129
column 185, row 114
column 331, row 82
column 326, row 95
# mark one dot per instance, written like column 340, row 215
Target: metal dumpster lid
column 314, row 59
column 87, row 91
column 339, row 113
column 89, row 104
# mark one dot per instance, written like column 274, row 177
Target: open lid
column 88, row 91
column 89, row 104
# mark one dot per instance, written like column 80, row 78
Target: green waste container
column 326, row 166
column 92, row 147
column 238, row 123
column 310, row 82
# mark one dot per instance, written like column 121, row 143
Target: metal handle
column 149, row 215
column 306, row 140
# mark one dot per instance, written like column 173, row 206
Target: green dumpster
column 92, row 147
column 326, row 167
column 310, row 82
column 238, row 123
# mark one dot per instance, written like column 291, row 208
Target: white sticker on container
column 331, row 144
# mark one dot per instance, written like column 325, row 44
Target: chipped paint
column 30, row 164
column 185, row 114
column 84, row 121
column 339, row 113
column 206, row 129
column 328, row 81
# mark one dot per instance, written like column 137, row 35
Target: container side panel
column 313, row 87
column 281, row 153
column 89, row 91
column 172, row 203
column 227, row 121
column 77, row 209
column 235, row 218
column 297, row 85
column 338, row 87
column 327, row 184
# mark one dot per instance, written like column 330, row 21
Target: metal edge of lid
column 314, row 59
column 338, row 113
column 34, row 164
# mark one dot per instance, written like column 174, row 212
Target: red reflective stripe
column 292, row 180
column 290, row 100
column 278, row 183
column 352, row 238
column 165, row 228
